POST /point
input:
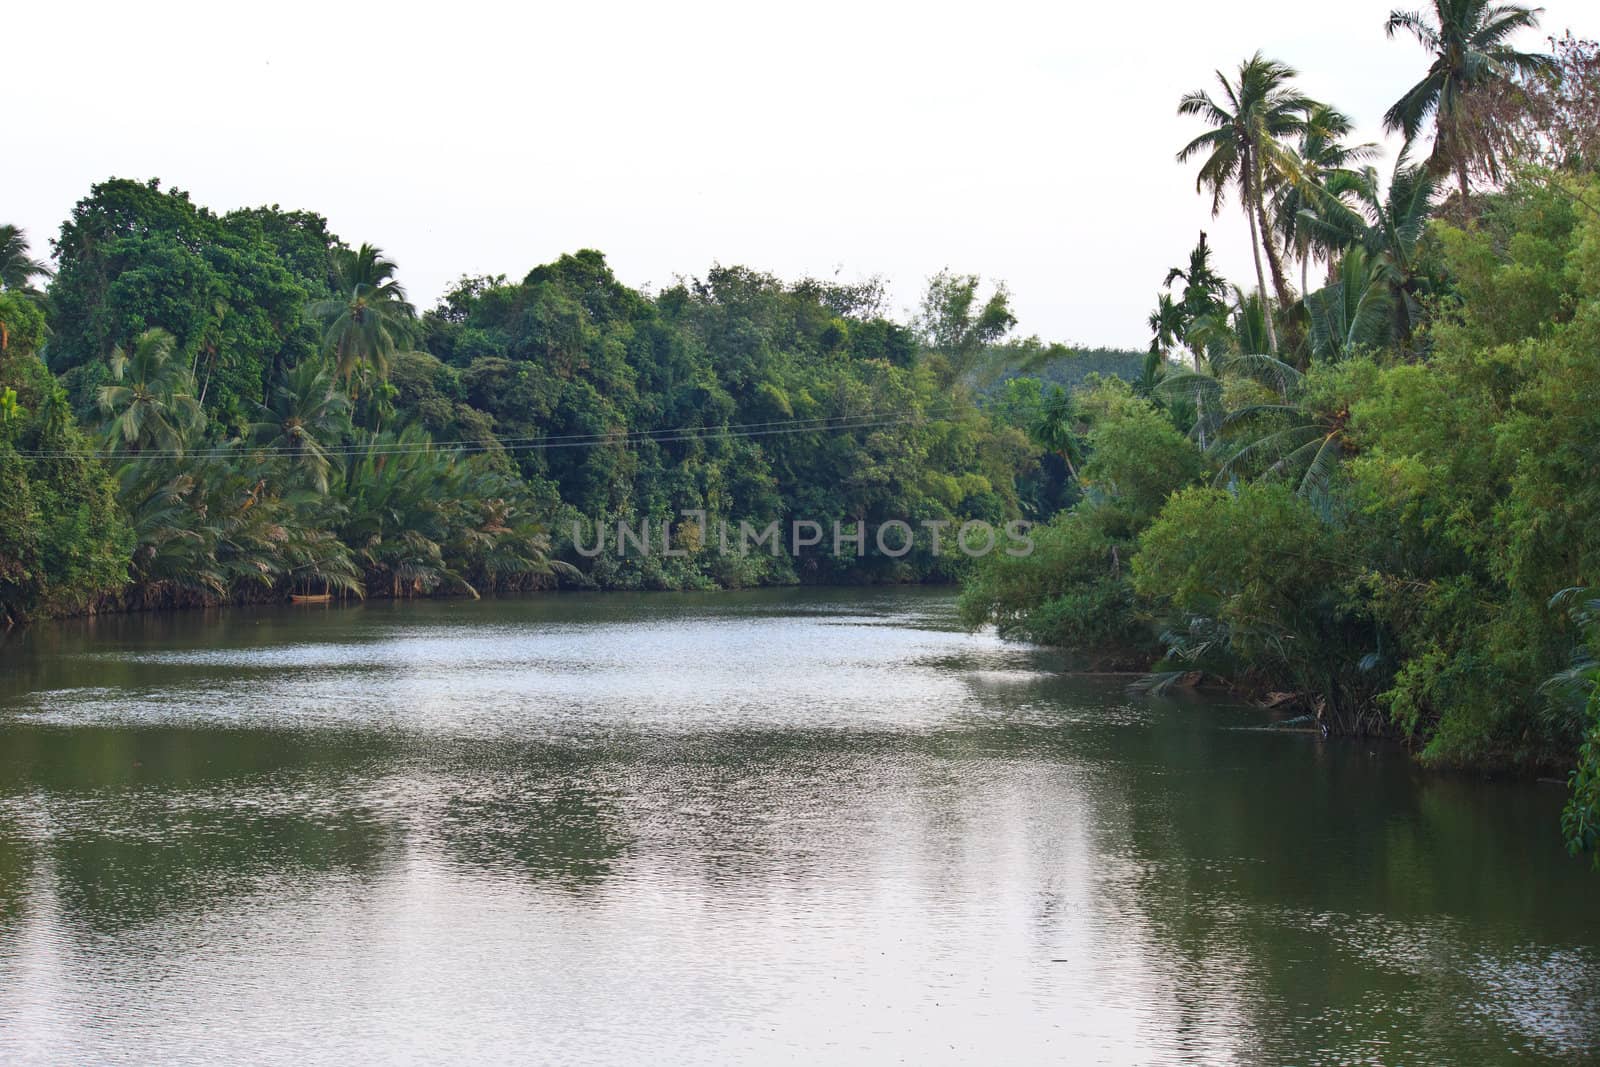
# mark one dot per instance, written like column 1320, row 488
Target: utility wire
column 682, row 434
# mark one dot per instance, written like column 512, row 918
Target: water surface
column 777, row 826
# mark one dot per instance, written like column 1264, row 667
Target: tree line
column 204, row 408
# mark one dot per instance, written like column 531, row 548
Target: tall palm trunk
column 1251, row 196
column 1280, row 281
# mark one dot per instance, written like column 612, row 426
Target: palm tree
column 305, row 413
column 1201, row 314
column 1353, row 311
column 17, row 269
column 1203, row 288
column 1248, row 325
column 1319, row 156
column 1166, row 325
column 1467, row 41
column 363, row 326
column 1056, row 428
column 1282, row 435
column 1244, row 147
column 154, row 406
column 418, row 517
column 210, row 528
column 1388, row 224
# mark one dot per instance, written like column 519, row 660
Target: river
column 785, row 825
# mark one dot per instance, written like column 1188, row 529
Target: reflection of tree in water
column 539, row 817
column 137, row 826
column 1338, row 898
column 1283, row 894
column 16, row 865
column 192, row 862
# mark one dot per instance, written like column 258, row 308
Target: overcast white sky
column 1029, row 142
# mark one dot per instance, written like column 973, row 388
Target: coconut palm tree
column 1353, row 311
column 1467, row 40
column 364, row 325
column 1320, row 154
column 17, row 268
column 305, row 413
column 153, row 404
column 1388, row 223
column 1245, row 148
column 1280, row 434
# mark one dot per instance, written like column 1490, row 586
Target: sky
column 1026, row 142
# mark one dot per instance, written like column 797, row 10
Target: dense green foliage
column 244, row 407
column 63, row 539
column 1391, row 501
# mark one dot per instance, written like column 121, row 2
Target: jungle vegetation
column 203, row 408
column 1372, row 500
column 1370, row 497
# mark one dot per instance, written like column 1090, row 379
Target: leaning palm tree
column 17, row 268
column 1467, row 39
column 153, row 403
column 1245, row 148
column 363, row 326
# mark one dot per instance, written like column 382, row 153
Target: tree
column 1166, row 326
column 304, row 415
column 1294, row 429
column 154, row 404
column 17, row 269
column 1388, row 223
column 955, row 325
column 1546, row 120
column 1199, row 319
column 1245, row 148
column 1467, row 40
column 1579, row 685
column 1074, row 588
column 1055, row 428
column 133, row 257
column 1353, row 311
column 363, row 326
column 1253, row 583
column 63, row 540
column 1320, row 155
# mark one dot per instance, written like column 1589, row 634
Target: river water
column 779, row 826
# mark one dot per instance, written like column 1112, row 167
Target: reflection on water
column 778, row 825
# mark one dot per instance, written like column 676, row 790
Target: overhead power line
column 532, row 443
